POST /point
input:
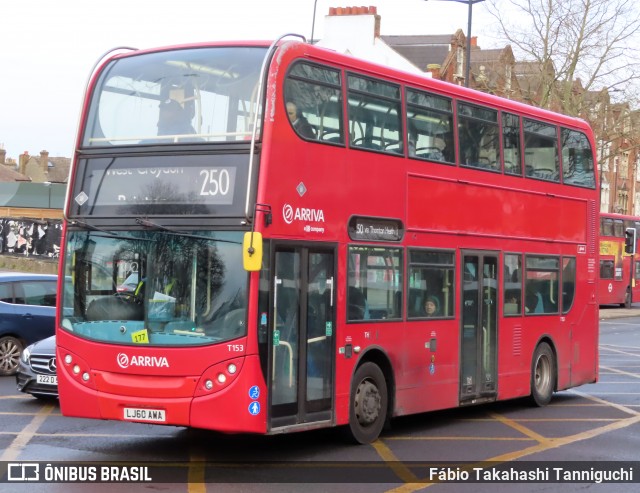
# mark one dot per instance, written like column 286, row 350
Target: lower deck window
column 375, row 283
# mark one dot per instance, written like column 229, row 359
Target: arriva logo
column 289, row 214
column 125, row 362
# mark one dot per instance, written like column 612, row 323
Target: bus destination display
column 165, row 183
column 375, row 229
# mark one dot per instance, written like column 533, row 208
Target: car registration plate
column 141, row 414
column 47, row 379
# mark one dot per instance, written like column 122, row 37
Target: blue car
column 27, row 314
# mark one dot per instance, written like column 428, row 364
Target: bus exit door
column 301, row 355
column 479, row 331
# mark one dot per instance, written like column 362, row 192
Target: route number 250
column 215, row 181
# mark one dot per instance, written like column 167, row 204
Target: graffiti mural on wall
column 30, row 237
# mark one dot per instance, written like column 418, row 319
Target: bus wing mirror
column 252, row 251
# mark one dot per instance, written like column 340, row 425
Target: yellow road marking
column 13, row 451
column 196, row 473
column 391, row 460
column 547, row 444
column 543, row 442
column 520, row 428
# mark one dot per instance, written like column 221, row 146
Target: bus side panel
column 426, row 366
column 484, row 205
column 514, row 361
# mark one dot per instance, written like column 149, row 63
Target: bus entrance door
column 301, row 352
column 478, row 361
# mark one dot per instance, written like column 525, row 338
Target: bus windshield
column 155, row 287
column 189, row 95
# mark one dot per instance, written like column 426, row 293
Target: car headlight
column 26, row 354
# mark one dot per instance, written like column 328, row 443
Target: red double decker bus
column 619, row 282
column 268, row 238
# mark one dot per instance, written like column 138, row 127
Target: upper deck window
column 606, row 226
column 374, row 115
column 195, row 95
column 478, row 137
column 511, row 144
column 577, row 159
column 541, row 151
column 430, row 127
column 312, row 93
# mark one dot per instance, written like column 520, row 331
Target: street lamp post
column 467, row 70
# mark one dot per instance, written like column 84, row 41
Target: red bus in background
column 619, row 267
column 318, row 241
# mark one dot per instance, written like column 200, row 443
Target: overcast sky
column 48, row 47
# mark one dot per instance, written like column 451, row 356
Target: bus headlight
column 219, row 376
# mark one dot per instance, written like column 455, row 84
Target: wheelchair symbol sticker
column 254, row 408
column 254, row 392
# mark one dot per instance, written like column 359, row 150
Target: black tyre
column 10, row 351
column 543, row 375
column 368, row 404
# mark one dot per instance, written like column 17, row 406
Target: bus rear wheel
column 543, row 373
column 368, row 404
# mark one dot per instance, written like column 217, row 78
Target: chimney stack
column 371, row 10
column 22, row 162
column 44, row 160
column 434, row 68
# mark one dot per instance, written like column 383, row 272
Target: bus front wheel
column 543, row 372
column 368, row 404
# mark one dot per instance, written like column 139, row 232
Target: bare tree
column 577, row 46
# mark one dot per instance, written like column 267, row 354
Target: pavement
column 608, row 312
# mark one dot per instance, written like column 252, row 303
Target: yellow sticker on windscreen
column 140, row 336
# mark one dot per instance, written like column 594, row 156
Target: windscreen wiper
column 153, row 225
